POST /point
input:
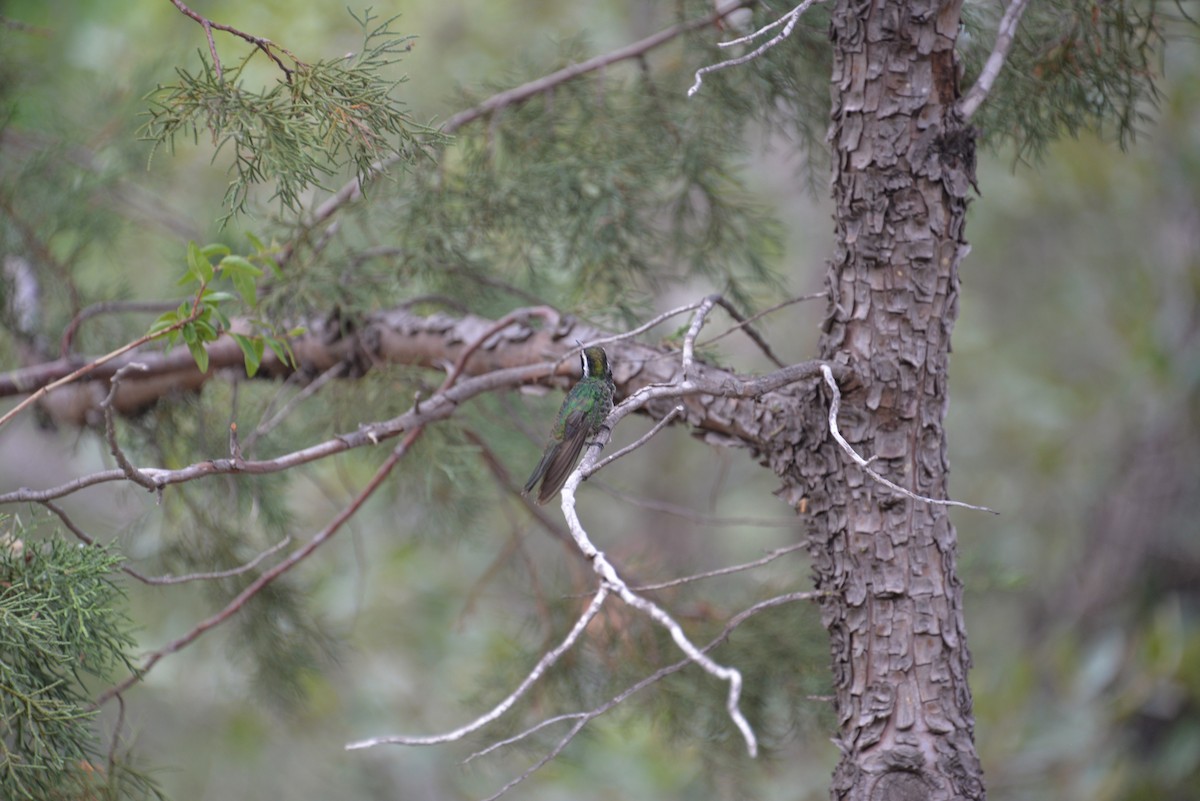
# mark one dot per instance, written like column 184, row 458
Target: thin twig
column 109, row 307
column 582, row 718
column 699, row 518
column 110, row 430
column 689, row 339
column 724, row 571
column 791, row 18
column 308, row 391
column 220, row 574
column 108, row 357
column 256, row 586
column 1006, row 33
column 265, row 45
column 741, row 323
column 659, row 426
column 646, row 326
column 351, row 191
column 751, row 332
column 548, row 659
column 865, row 464
column 116, row 735
column 83, row 536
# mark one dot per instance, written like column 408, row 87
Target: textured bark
column 903, row 164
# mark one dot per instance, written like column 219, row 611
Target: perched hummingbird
column 582, row 413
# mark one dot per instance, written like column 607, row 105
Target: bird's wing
column 563, row 458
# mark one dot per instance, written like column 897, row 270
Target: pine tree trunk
column 903, row 165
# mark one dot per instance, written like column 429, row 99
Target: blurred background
column 1074, row 412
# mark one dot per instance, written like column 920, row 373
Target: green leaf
column 214, row 250
column 240, row 264
column 200, row 355
column 198, row 264
column 205, row 331
column 189, row 334
column 216, row 296
column 281, row 350
column 246, row 286
column 252, row 352
column 163, row 322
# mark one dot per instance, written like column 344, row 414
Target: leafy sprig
column 202, row 318
column 320, row 119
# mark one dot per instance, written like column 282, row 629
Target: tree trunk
column 903, row 162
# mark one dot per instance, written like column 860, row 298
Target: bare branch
column 352, row 190
column 1006, row 33
column 865, row 464
column 438, row 407
column 582, row 718
column 747, row 321
column 110, row 431
column 725, row 571
column 613, row 580
column 642, row 440
column 265, row 45
column 699, row 518
column 256, row 586
column 646, row 326
column 545, row 663
column 108, row 357
column 83, row 536
column 788, row 21
column 308, row 391
column 109, row 307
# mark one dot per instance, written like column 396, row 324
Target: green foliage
column 592, row 197
column 202, row 320
column 61, row 622
column 1075, row 66
column 322, row 118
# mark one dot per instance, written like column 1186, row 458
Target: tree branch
column 81, row 535
column 545, row 663
column 788, row 21
column 110, row 431
column 406, row 338
column 262, row 44
column 414, row 432
column 865, row 464
column 1006, row 33
column 583, row 718
column 724, row 571
column 352, row 190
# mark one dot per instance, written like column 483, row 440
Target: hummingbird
column 582, row 413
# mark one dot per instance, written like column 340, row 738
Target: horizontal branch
column 733, row 407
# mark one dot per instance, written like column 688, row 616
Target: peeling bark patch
column 901, row 785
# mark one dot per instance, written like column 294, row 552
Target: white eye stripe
column 583, row 363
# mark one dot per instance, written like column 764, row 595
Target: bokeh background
column 1074, row 412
